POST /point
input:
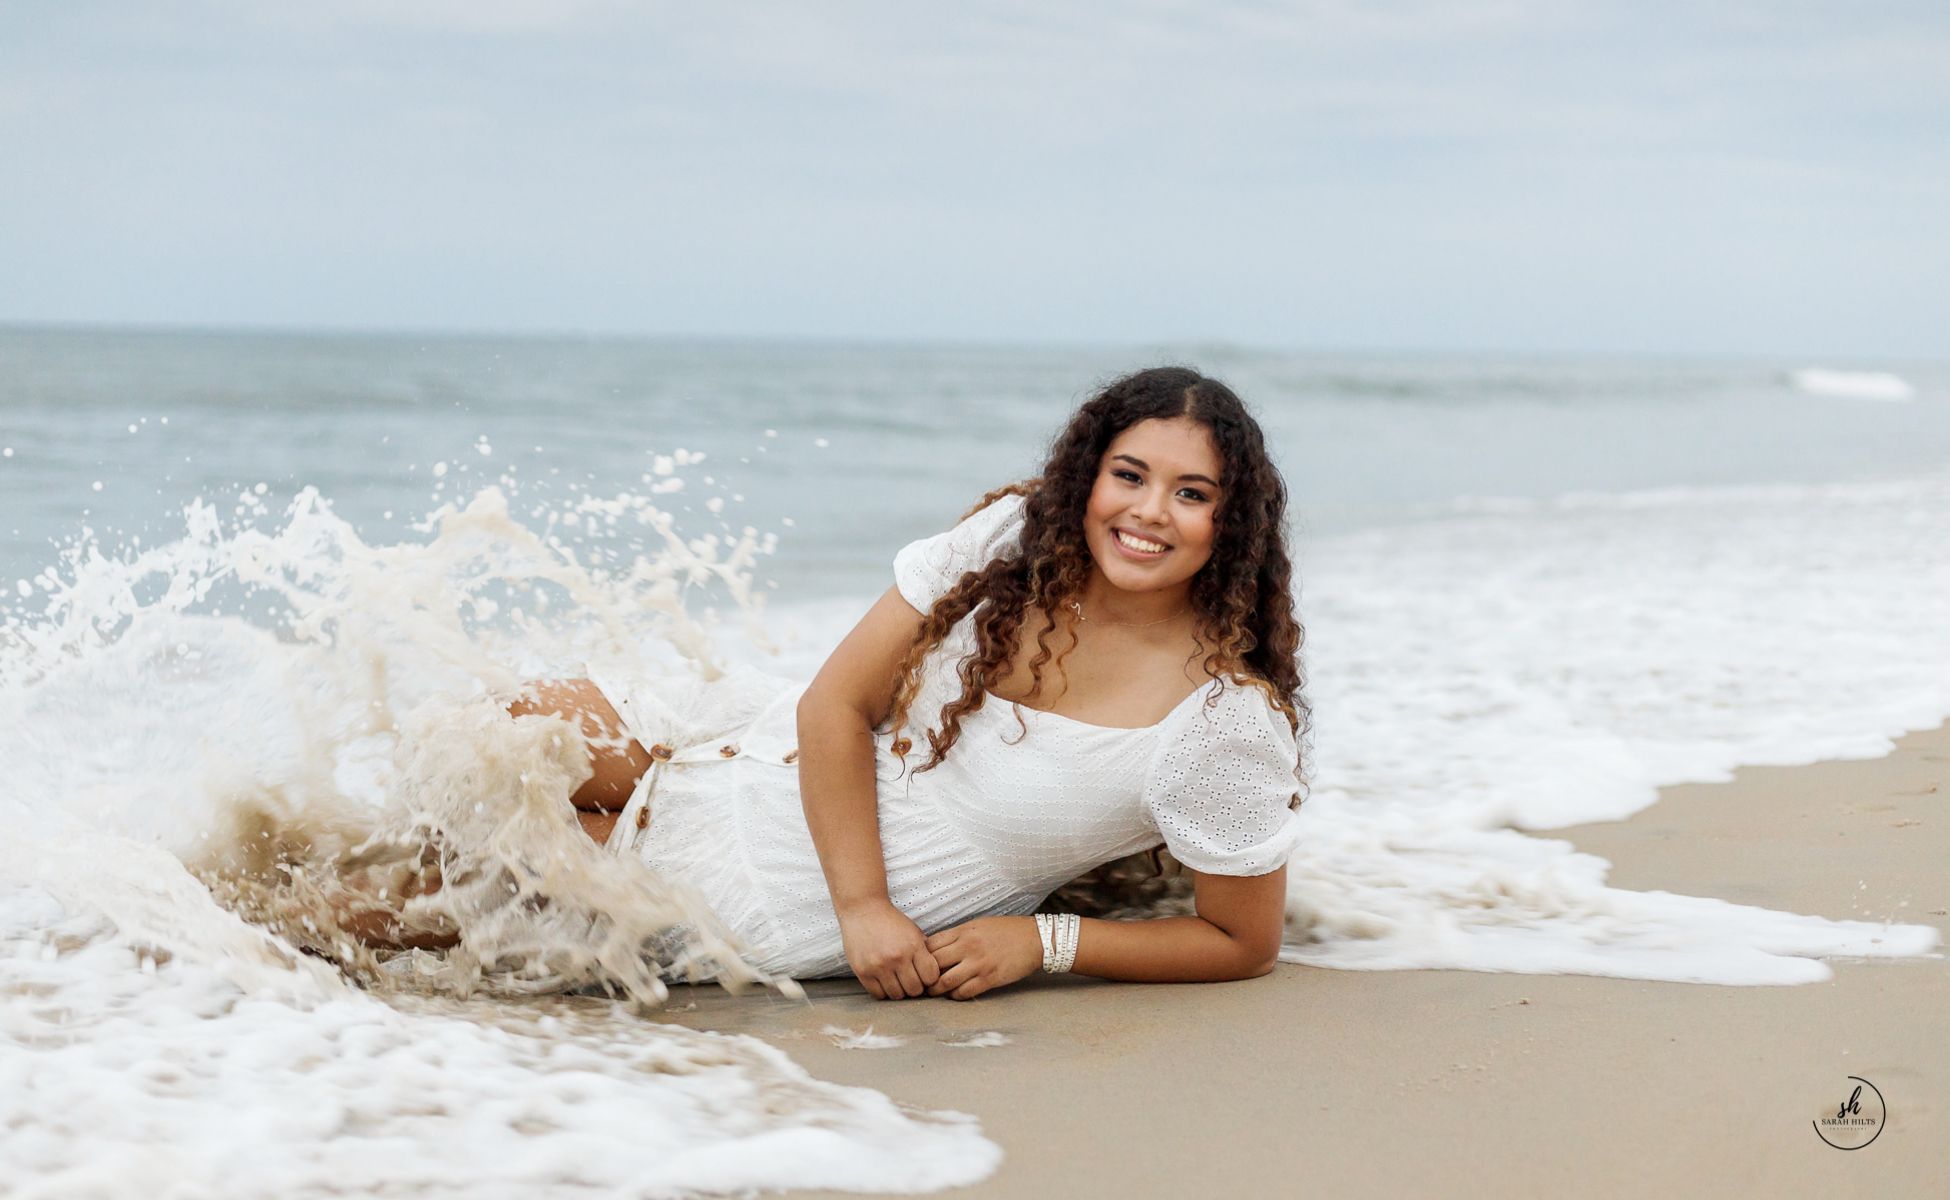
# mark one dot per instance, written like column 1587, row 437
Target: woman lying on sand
column 1088, row 665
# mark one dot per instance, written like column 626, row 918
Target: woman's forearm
column 1170, row 950
column 1235, row 936
column 837, row 715
column 886, row 950
column 836, row 789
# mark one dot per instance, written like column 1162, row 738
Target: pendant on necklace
column 1076, row 606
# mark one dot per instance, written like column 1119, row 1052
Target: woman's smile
column 1139, row 546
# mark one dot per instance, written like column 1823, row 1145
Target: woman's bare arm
column 837, row 716
column 1236, row 935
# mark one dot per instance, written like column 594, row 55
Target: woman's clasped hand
column 988, row 952
column 894, row 960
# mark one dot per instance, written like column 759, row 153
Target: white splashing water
column 155, row 1043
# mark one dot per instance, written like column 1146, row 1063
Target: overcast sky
column 1639, row 176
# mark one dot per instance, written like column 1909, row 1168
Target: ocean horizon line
column 1189, row 345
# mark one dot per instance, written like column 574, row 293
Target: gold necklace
column 1076, row 606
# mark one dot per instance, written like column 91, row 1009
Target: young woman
column 1090, row 664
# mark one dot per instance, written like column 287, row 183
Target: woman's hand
column 988, row 952
column 887, row 951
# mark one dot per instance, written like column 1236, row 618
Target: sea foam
column 1557, row 662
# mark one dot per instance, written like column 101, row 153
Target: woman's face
column 1153, row 512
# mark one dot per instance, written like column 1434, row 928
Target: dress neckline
column 1160, row 723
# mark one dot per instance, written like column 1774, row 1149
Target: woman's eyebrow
column 1141, row 465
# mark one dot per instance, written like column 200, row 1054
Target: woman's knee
column 616, row 759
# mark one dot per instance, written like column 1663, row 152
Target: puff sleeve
column 1220, row 788
column 925, row 570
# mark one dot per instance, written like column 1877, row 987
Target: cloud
column 1474, row 173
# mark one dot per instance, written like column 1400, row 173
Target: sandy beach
column 1580, row 374
column 1438, row 1083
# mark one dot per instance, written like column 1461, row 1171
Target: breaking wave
column 222, row 750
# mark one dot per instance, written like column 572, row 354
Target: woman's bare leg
column 617, row 759
column 376, row 922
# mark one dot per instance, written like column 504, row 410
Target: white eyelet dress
column 1005, row 820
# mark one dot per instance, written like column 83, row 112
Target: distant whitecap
column 1854, row 385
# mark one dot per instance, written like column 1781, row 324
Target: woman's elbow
column 825, row 712
column 1241, row 958
column 1250, row 912
column 1255, row 956
column 1254, row 964
column 819, row 712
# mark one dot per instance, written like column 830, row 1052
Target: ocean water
column 236, row 566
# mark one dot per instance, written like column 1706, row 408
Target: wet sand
column 1440, row 1083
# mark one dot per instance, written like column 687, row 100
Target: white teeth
column 1139, row 544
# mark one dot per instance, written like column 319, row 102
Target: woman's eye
column 1128, row 476
column 1192, row 494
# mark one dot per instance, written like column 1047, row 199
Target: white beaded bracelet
column 1059, row 932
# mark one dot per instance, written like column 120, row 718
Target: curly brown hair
column 1243, row 595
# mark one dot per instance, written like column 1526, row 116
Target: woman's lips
column 1137, row 544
